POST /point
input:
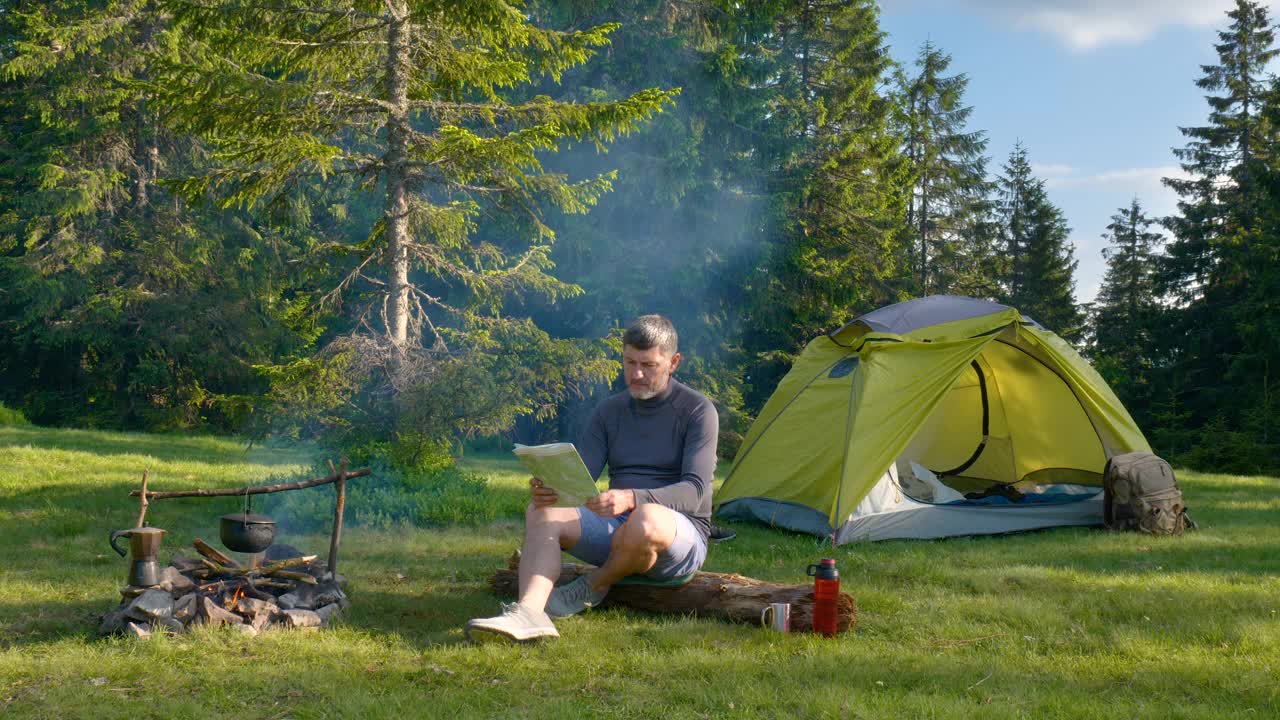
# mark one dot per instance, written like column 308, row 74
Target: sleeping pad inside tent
column 931, row 418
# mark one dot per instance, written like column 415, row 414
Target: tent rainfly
column 936, row 417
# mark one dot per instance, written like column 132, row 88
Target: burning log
column 722, row 595
column 213, row 554
column 278, row 584
column 295, row 576
column 281, row 565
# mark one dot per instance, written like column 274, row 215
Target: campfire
column 282, row 589
column 277, row 587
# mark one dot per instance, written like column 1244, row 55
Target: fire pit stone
column 150, row 605
column 302, row 618
column 283, row 589
column 172, row 580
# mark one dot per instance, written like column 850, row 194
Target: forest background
column 397, row 227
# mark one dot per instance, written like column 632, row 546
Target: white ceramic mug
column 776, row 617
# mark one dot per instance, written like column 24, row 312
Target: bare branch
column 375, row 102
column 335, row 295
column 329, row 43
column 283, row 8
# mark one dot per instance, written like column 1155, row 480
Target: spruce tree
column 120, row 306
column 1222, row 253
column 838, row 188
column 1038, row 264
column 948, row 166
column 416, row 101
column 1126, row 312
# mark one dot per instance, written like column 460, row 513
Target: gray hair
column 649, row 331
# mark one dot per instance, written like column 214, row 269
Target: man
column 659, row 440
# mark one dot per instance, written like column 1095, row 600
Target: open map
column 559, row 467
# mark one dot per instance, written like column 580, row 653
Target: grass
column 1068, row 623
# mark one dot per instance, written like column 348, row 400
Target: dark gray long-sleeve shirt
column 664, row 449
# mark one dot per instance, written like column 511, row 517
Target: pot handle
column 116, row 536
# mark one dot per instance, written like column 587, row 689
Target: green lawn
column 1071, row 623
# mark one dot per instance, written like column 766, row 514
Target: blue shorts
column 686, row 554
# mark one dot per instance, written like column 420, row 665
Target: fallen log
column 720, row 595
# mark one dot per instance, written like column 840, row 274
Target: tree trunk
column 726, row 596
column 397, row 204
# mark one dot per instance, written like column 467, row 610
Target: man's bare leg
column 546, row 531
column 649, row 530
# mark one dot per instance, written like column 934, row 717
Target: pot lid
column 249, row 518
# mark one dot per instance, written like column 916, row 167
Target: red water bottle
column 826, row 588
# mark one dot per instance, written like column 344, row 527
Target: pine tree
column 1038, row 266
column 120, row 306
column 1228, row 157
column 1127, row 309
column 838, row 187
column 949, row 170
column 1221, row 261
column 414, row 100
column 406, row 96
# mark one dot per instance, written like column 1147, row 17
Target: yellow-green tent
column 935, row 417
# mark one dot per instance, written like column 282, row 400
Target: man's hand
column 542, row 496
column 612, row 503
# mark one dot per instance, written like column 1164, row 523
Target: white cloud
column 1145, row 183
column 1087, row 294
column 1051, row 170
column 1087, row 24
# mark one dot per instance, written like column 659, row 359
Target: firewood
column 296, row 576
column 213, row 554
column 722, row 595
column 280, row 565
column 279, row 584
column 250, row 588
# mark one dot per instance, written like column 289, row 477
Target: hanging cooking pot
column 246, row 532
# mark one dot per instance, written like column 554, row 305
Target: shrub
column 393, row 497
column 12, row 417
column 1224, row 450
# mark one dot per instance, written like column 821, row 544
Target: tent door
column 986, row 427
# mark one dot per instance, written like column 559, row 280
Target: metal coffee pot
column 144, row 547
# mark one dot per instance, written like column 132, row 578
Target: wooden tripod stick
column 339, row 506
column 142, row 510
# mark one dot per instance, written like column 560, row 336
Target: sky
column 1095, row 89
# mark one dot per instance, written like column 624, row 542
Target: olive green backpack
column 1140, row 493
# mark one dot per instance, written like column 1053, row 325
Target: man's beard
column 644, row 392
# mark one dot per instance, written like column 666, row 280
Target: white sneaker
column 573, row 598
column 516, row 622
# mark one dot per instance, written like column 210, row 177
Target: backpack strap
column 1108, row 496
